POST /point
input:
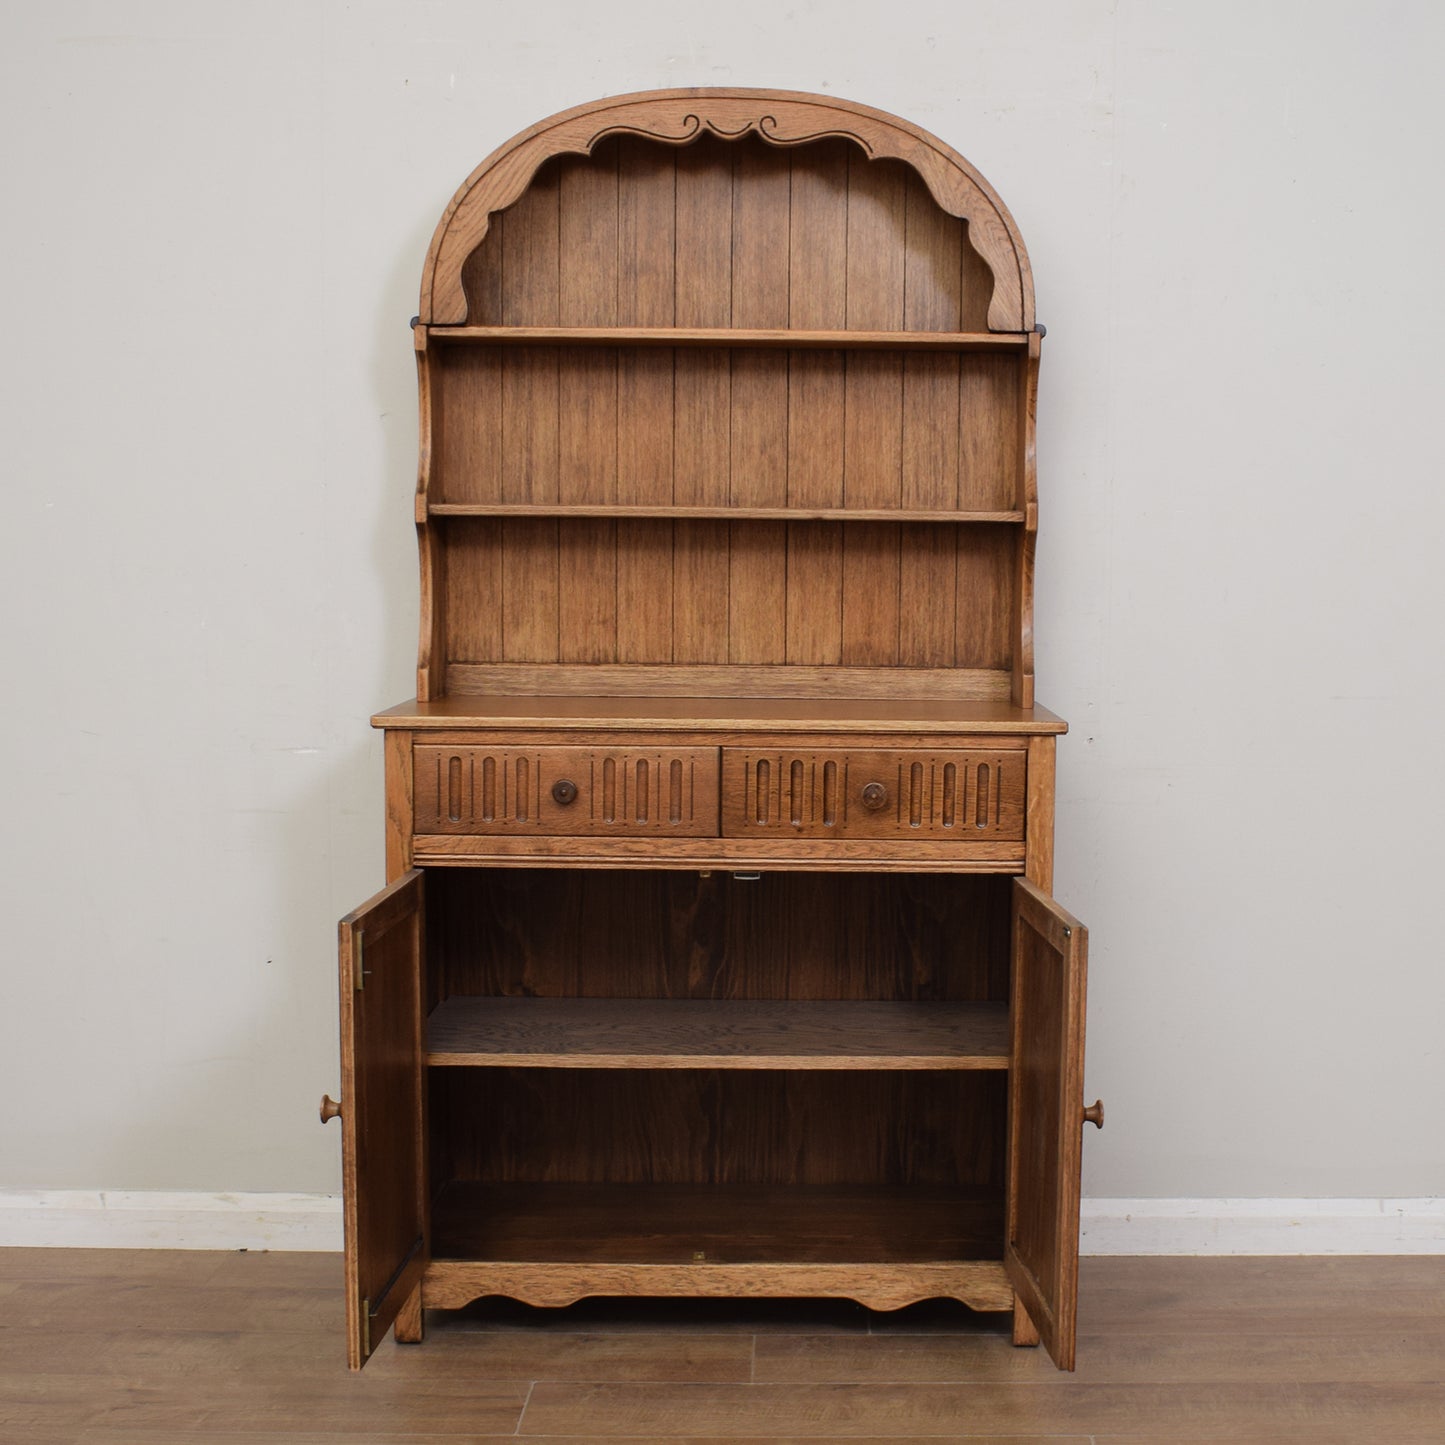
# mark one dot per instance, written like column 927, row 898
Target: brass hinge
column 365, row 1328
column 358, row 974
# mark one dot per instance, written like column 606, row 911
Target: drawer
column 618, row 792
column 926, row 794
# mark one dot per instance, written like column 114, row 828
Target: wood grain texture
column 1025, row 1332
column 791, row 338
column 1039, row 823
column 1163, row 1412
column 781, row 118
column 1023, row 651
column 240, row 1346
column 645, row 256
column 1049, row 977
column 979, row 1284
column 432, row 627
column 531, row 589
column 856, row 702
column 629, row 512
column 684, row 854
column 400, row 803
column 726, row 506
column 687, row 1034
column 410, row 1326
column 776, row 1128
column 730, row 596
column 616, row 792
column 923, row 795
column 563, row 934
column 696, row 1224
column 381, row 950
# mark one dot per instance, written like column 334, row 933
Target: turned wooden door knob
column 1094, row 1114
column 330, row 1109
column 875, row 796
column 564, row 791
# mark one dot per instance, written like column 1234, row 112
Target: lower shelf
column 553, row 1244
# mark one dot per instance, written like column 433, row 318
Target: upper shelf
column 728, row 336
column 427, row 509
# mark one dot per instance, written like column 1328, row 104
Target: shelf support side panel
column 1028, row 500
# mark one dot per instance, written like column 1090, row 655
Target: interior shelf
column 763, row 514
column 604, row 1033
column 738, row 1224
column 733, row 336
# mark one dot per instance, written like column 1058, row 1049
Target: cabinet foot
column 409, row 1328
column 1024, row 1331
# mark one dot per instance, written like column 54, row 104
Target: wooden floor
column 162, row 1348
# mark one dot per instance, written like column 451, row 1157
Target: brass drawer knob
column 875, row 796
column 1094, row 1114
column 564, row 791
column 330, row 1109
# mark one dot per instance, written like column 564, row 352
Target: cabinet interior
column 650, row 1163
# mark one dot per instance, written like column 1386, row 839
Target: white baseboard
column 1263, row 1226
column 145, row 1219
column 142, row 1219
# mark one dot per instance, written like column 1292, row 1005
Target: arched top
column 678, row 117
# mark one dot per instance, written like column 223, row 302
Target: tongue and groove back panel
column 695, row 440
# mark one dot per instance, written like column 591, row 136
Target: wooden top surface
column 791, row 714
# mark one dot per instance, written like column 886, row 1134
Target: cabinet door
column 1046, row 1082
column 383, row 1146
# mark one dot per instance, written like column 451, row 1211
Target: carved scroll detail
column 453, row 1284
column 766, row 126
column 780, row 118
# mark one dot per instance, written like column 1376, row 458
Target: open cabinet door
column 383, row 1145
column 1046, row 1083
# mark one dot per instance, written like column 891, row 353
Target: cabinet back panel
column 724, row 233
column 720, row 427
column 717, row 1127
column 589, row 589
column 635, row 934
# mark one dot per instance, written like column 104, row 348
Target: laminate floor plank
column 842, row 1412
column 177, row 1347
column 129, row 1266
column 1385, row 1356
column 332, row 1401
column 75, row 1304
column 1262, row 1295
column 32, row 1402
column 1356, row 1436
column 105, row 1436
column 514, row 1355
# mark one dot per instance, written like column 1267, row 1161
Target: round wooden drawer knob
column 330, row 1109
column 875, row 796
column 564, row 791
column 1094, row 1114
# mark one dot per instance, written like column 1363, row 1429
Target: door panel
column 1046, row 1081
column 383, row 1143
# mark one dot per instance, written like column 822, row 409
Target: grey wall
column 214, row 222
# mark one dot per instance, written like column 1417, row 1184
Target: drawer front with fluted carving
column 619, row 792
column 925, row 794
